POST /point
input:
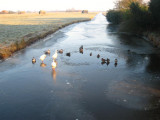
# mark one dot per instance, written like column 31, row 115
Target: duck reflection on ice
column 43, row 65
column 103, row 63
column 115, row 64
column 108, row 63
column 54, row 74
column 33, row 62
column 53, row 70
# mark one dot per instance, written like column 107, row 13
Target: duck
column 47, row 52
column 68, row 54
column 91, row 54
column 81, row 50
column 55, row 55
column 103, row 60
column 33, row 60
column 116, row 61
column 81, row 47
column 108, row 60
column 103, row 63
column 53, row 64
column 60, row 51
column 98, row 56
column 42, row 57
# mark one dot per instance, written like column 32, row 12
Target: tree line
column 135, row 15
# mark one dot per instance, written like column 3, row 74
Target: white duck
column 42, row 57
column 55, row 55
column 53, row 64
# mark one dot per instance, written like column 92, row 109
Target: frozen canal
column 81, row 88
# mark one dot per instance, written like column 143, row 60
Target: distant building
column 21, row 12
column 11, row 12
column 72, row 10
column 42, row 12
column 4, row 12
column 84, row 11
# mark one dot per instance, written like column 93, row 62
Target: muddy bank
column 152, row 37
column 7, row 51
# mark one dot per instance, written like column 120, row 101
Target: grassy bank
column 153, row 37
column 19, row 31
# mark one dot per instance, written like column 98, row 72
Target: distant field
column 20, row 30
column 13, row 27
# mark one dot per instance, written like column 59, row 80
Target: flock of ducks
column 55, row 55
column 107, row 61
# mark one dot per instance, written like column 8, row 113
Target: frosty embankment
column 20, row 30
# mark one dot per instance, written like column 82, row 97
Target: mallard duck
column 60, row 51
column 91, row 54
column 116, row 61
column 81, row 47
column 103, row 60
column 42, row 57
column 47, row 52
column 81, row 50
column 98, row 56
column 33, row 60
column 108, row 60
column 68, row 54
column 55, row 55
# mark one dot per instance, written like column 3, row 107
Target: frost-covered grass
column 15, row 26
column 20, row 30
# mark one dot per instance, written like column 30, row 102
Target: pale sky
column 36, row 5
column 49, row 5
